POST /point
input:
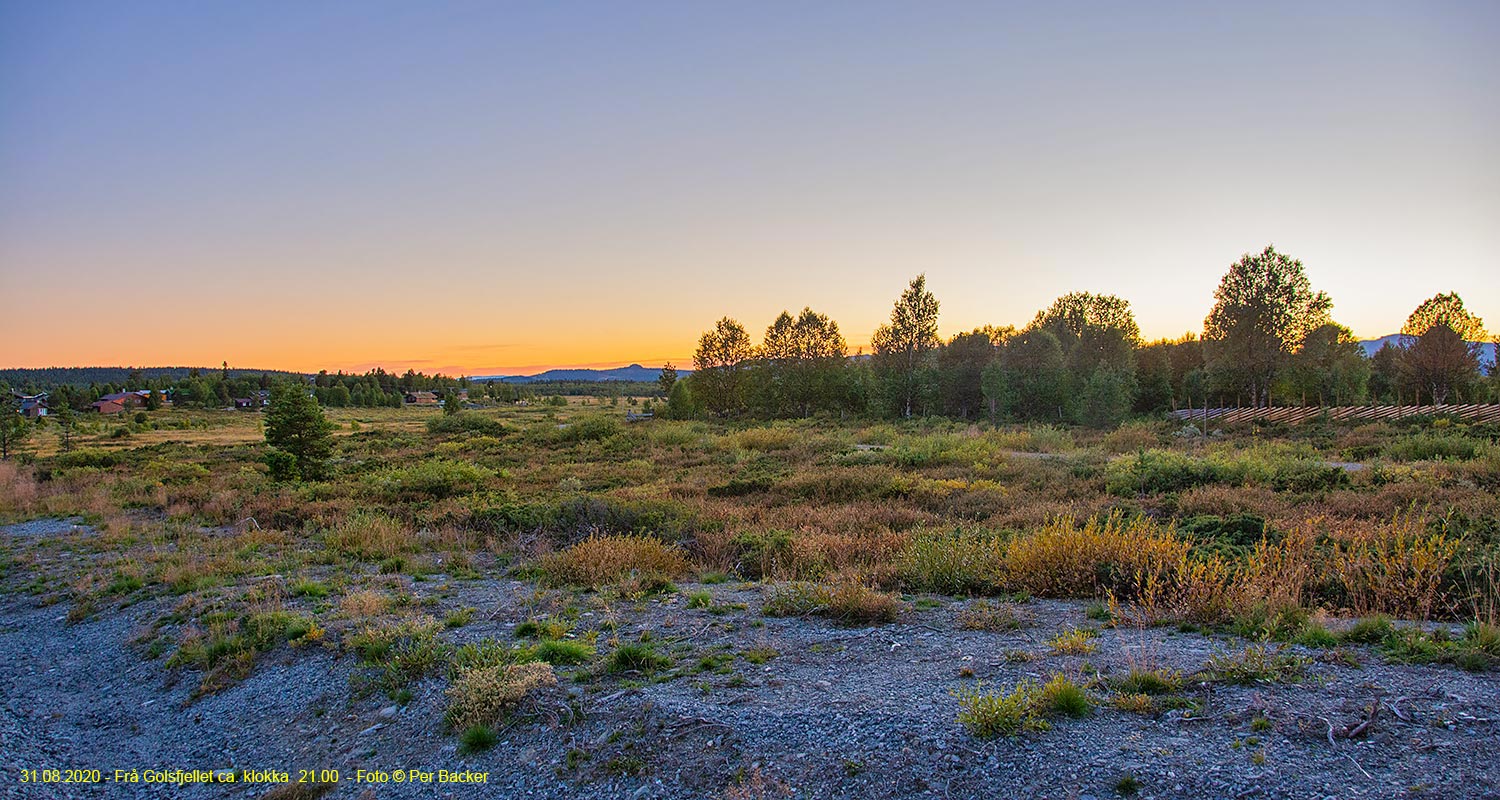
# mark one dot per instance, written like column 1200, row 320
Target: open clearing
column 579, row 607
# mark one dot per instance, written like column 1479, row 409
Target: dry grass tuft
column 982, row 615
column 365, row 603
column 847, row 599
column 600, row 560
column 483, row 695
column 370, row 535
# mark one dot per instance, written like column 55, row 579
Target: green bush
column 588, row 429
column 847, row 484
column 1428, row 446
column 466, row 422
column 1062, row 696
column 1024, row 708
column 665, row 518
column 1162, row 471
column 87, row 458
column 954, row 563
column 762, row 554
column 1233, row 536
column 428, row 480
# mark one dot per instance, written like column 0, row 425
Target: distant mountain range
column 634, row 372
column 1486, row 349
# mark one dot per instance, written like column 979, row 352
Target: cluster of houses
column 262, row 399
column 33, row 406
column 425, row 398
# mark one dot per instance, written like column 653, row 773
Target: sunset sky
column 495, row 187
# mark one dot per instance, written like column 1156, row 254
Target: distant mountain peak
column 1372, row 346
column 634, row 372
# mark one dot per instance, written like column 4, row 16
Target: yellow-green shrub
column 1105, row 554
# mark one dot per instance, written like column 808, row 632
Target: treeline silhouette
column 1269, row 339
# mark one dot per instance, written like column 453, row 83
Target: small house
column 31, row 406
column 107, row 407
column 127, row 399
column 420, row 398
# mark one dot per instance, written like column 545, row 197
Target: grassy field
column 1266, row 532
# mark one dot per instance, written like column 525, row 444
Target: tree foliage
column 14, row 428
column 1331, row 367
column 1440, row 363
column 1095, row 330
column 1263, row 309
column 1029, row 381
column 903, row 347
column 667, row 379
column 1445, row 309
column 719, row 367
column 799, row 361
column 961, row 365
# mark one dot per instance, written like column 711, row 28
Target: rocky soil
column 838, row 712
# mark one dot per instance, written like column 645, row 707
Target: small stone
column 389, row 712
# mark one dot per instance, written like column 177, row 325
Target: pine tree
column 299, row 436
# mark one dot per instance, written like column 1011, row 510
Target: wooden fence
column 1488, row 412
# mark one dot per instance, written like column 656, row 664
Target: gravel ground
column 839, row 713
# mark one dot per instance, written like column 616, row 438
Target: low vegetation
column 951, row 525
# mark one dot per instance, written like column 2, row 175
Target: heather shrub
column 590, row 513
column 600, row 560
column 759, row 475
column 846, row 484
column 1232, row 536
column 770, row 438
column 763, row 554
column 1130, row 437
column 1162, row 471
column 1430, row 446
column 1033, row 439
